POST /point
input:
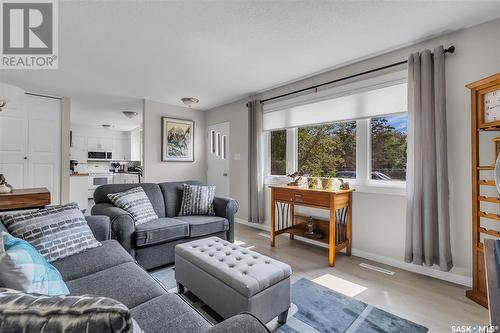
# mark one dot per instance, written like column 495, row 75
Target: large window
column 327, row 150
column 278, row 152
column 388, row 147
column 356, row 131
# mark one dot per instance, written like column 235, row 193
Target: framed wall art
column 177, row 140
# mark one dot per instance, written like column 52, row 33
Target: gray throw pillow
column 197, row 200
column 136, row 203
column 21, row 312
column 56, row 232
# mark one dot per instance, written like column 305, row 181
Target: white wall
column 154, row 169
column 379, row 220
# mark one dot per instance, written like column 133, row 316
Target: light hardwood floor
column 433, row 303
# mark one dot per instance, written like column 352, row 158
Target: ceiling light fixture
column 189, row 101
column 130, row 114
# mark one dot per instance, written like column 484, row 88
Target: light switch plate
column 237, row 157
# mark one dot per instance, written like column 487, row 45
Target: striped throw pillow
column 136, row 203
column 56, row 232
column 20, row 312
column 197, row 200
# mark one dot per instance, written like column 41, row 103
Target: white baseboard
column 253, row 225
column 424, row 270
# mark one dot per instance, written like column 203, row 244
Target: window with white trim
column 357, row 131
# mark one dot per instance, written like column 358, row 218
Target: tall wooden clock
column 485, row 108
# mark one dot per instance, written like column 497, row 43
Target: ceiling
column 101, row 110
column 221, row 51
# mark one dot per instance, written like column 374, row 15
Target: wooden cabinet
column 485, row 118
column 337, row 230
column 29, row 198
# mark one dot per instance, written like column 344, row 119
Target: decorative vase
column 313, row 182
column 5, row 189
column 327, row 183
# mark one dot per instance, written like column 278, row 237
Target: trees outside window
column 327, row 150
column 388, row 147
column 278, row 152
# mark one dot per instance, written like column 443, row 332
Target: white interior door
column 218, row 158
column 14, row 143
column 44, row 144
column 30, row 144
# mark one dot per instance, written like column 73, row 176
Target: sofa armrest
column 242, row 323
column 227, row 208
column 122, row 225
column 100, row 226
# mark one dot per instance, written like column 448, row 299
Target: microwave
column 100, row 155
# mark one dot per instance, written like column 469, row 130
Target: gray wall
column 378, row 219
column 155, row 170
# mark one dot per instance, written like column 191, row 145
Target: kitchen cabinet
column 78, row 188
column 121, row 149
column 136, row 145
column 99, row 144
column 125, row 178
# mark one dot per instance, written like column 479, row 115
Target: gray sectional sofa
column 110, row 271
column 152, row 244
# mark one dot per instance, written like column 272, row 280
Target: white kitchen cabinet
column 125, row 178
column 121, row 149
column 136, row 145
column 99, row 144
column 78, row 190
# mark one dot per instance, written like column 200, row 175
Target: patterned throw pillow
column 23, row 268
column 136, row 203
column 20, row 312
column 197, row 200
column 56, row 232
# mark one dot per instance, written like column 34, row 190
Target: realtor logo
column 29, row 34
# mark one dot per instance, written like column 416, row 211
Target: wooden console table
column 338, row 233
column 26, row 198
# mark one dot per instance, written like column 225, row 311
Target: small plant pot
column 327, row 183
column 312, row 182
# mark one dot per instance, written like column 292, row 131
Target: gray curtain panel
column 255, row 177
column 427, row 194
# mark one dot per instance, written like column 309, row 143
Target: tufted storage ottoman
column 231, row 279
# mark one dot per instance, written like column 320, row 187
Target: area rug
column 323, row 310
column 315, row 309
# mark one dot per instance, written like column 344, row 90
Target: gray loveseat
column 152, row 244
column 110, row 271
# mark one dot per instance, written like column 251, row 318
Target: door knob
column 225, row 174
column 25, row 157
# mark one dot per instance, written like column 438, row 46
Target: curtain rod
column 451, row 49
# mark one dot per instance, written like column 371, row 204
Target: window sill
column 398, row 188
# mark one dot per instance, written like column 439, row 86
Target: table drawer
column 303, row 197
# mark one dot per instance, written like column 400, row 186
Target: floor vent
column 378, row 269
